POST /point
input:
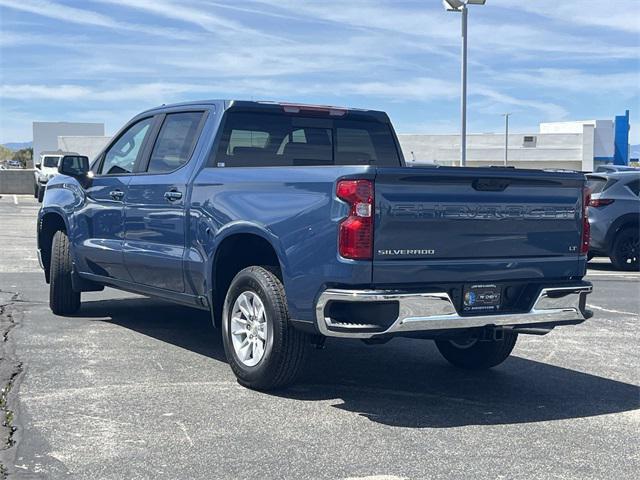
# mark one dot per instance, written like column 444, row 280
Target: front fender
column 63, row 195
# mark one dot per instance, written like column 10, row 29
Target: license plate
column 482, row 298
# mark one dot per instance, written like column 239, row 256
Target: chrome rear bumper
column 435, row 311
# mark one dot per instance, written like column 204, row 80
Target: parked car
column 614, row 216
column 14, row 164
column 615, row 168
column 293, row 223
column 45, row 170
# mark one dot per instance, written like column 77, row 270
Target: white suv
column 45, row 170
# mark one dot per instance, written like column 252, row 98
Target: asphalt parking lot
column 138, row 389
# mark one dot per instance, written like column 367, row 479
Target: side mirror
column 74, row 165
column 38, row 165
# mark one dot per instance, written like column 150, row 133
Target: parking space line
column 15, row 199
column 609, row 310
column 613, row 275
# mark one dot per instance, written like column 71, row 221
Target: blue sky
column 106, row 60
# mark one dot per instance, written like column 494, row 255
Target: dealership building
column 579, row 145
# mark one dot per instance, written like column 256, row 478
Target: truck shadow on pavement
column 403, row 383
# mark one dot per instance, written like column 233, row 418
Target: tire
column 284, row 348
column 63, row 300
column 36, row 191
column 478, row 355
column 41, row 193
column 625, row 254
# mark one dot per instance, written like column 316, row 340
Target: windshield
column 51, row 162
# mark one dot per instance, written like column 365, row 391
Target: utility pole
column 463, row 103
column 460, row 6
column 506, row 137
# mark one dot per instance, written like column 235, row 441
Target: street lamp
column 506, row 137
column 461, row 6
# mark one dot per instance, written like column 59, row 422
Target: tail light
column 586, row 228
column 600, row 202
column 355, row 239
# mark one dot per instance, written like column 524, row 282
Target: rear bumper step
column 421, row 312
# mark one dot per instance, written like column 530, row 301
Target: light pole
column 506, row 137
column 461, row 6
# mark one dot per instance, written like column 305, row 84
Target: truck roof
column 269, row 105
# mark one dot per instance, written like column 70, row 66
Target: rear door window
column 252, row 139
column 175, row 142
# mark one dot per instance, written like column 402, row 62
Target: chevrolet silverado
column 291, row 223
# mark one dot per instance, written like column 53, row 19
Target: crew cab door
column 99, row 233
column 155, row 222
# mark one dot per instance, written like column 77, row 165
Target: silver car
column 614, row 216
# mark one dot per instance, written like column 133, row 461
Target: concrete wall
column 16, row 181
column 89, row 145
column 550, row 150
column 45, row 134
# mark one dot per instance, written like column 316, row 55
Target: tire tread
column 63, row 300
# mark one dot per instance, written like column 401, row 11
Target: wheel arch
column 625, row 221
column 236, row 248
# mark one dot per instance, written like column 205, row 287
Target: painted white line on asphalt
column 621, row 312
column 15, row 199
column 612, row 274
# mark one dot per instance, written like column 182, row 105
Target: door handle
column 172, row 195
column 116, row 194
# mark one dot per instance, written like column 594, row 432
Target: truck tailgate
column 457, row 221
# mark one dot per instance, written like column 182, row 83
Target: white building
column 45, row 134
column 89, row 146
column 569, row 145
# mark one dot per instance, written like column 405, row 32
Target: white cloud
column 179, row 11
column 495, row 102
column 420, row 20
column 75, row 15
column 626, row 84
column 616, row 14
column 38, row 92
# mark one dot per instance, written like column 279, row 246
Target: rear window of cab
column 252, row 139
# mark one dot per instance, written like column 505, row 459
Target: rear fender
column 243, row 227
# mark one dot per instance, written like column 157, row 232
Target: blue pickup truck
column 292, row 223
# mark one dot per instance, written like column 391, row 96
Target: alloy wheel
column 249, row 328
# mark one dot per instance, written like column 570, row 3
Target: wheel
column 41, row 193
column 475, row 354
column 35, row 190
column 63, row 300
column 625, row 253
column 262, row 348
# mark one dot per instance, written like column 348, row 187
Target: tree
column 23, row 155
column 5, row 153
